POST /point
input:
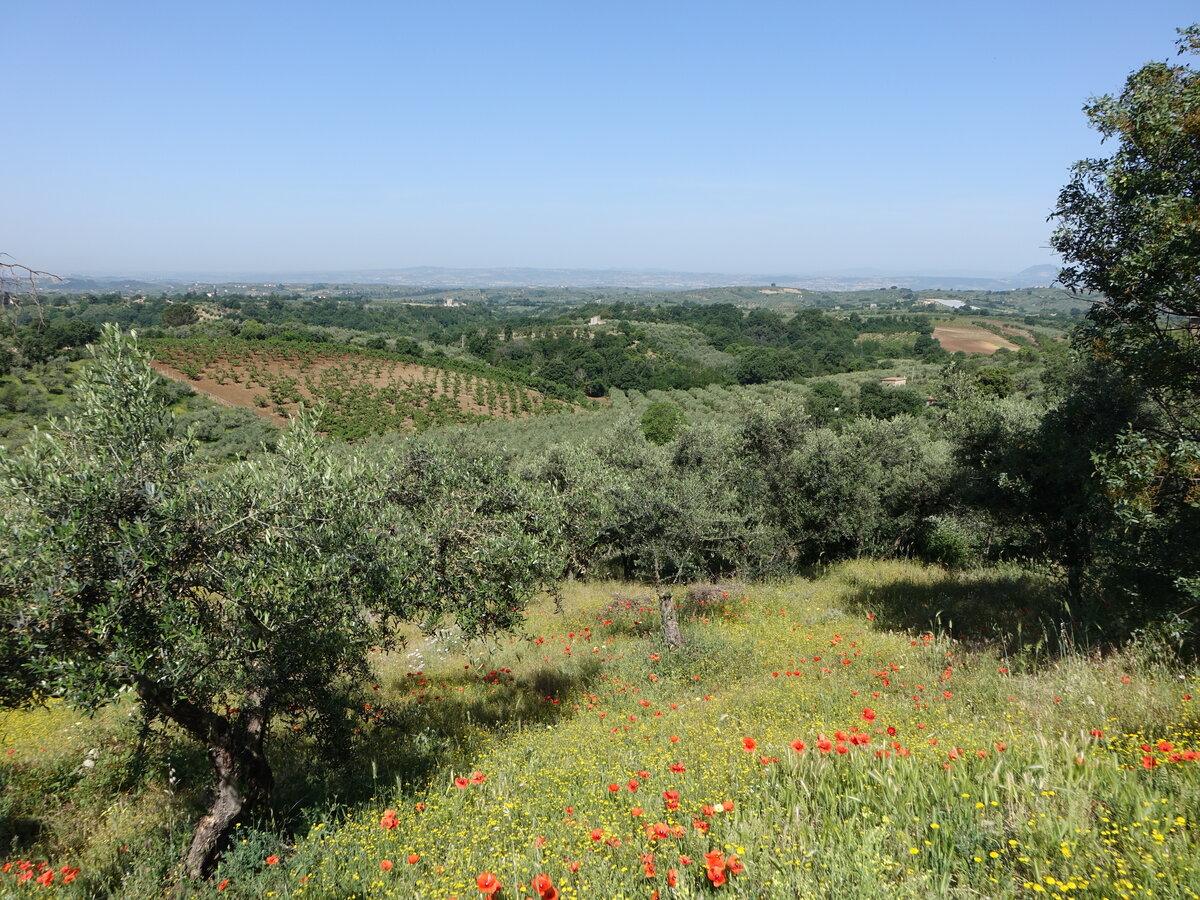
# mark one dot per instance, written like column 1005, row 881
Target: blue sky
column 754, row 137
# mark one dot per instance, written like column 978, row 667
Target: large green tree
column 222, row 601
column 1129, row 229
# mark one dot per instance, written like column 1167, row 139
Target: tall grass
column 950, row 770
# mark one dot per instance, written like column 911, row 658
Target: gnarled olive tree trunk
column 243, row 777
column 244, row 784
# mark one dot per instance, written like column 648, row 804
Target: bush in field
column 180, row 314
column 661, row 421
column 879, row 402
column 222, row 602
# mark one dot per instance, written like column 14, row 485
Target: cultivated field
column 361, row 392
column 970, row 339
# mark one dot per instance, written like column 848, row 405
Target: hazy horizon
column 771, row 138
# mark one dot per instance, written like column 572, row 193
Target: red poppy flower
column 868, row 715
column 386, row 865
column 460, row 783
column 597, row 833
column 749, row 744
column 541, row 884
column 272, row 860
column 414, row 858
column 388, row 820
column 799, row 746
column 488, row 884
column 614, row 788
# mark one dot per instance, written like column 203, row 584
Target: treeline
column 637, row 347
column 759, row 346
column 978, row 480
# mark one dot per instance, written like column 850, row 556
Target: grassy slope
column 553, row 718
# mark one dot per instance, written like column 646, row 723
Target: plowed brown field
column 970, row 339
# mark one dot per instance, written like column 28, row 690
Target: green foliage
column 995, row 381
column 225, row 600
column 953, row 541
column 827, row 403
column 1128, row 228
column 180, row 314
column 1152, row 554
column 880, row 402
column 39, row 342
column 662, row 421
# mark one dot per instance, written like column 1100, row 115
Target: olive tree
column 221, row 601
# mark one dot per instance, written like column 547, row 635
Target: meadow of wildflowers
column 794, row 748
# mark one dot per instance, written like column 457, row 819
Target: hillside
column 359, row 392
column 815, row 737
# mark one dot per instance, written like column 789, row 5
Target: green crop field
column 359, row 392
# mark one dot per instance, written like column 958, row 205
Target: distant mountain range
column 641, row 280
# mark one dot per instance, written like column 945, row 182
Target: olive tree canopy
column 222, row 600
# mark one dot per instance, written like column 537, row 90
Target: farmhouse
column 894, row 381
